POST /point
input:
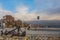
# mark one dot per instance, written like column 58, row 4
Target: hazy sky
column 30, row 9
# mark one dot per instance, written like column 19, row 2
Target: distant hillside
column 49, row 23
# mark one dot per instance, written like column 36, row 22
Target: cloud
column 23, row 14
column 50, row 9
column 52, row 6
column 50, row 17
column 54, row 11
column 4, row 12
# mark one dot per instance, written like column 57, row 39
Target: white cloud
column 4, row 12
column 50, row 17
column 23, row 14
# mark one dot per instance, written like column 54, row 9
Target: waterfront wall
column 12, row 38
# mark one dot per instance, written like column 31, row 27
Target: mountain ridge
column 49, row 23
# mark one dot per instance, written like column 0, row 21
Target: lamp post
column 38, row 19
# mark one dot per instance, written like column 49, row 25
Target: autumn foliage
column 11, row 22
